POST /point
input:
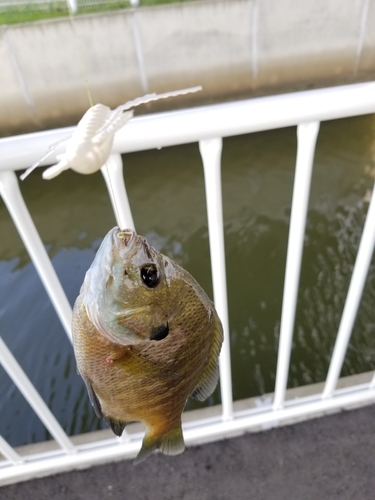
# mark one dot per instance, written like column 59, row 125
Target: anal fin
column 116, row 425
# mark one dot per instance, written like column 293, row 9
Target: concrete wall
column 233, row 48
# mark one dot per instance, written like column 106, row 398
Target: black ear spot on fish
column 150, row 275
column 160, row 332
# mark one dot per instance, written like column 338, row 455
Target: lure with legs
column 88, row 149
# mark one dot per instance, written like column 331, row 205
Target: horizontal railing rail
column 206, row 125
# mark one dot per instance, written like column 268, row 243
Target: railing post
column 210, row 150
column 357, row 283
column 9, row 453
column 114, row 178
column 307, row 134
column 32, row 396
column 10, row 191
column 72, row 6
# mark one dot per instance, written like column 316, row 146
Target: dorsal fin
column 116, row 425
column 207, row 383
column 93, row 398
column 210, row 376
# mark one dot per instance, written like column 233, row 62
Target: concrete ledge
column 236, row 48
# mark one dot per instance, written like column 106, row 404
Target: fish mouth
column 125, row 237
column 124, row 240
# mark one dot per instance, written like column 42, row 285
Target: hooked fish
column 146, row 337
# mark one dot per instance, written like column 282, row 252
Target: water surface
column 166, row 191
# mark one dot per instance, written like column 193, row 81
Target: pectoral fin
column 137, row 360
column 129, row 358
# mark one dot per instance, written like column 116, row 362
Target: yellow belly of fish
column 128, row 386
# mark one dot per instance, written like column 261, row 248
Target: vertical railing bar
column 9, row 452
column 10, row 191
column 306, row 139
column 211, row 156
column 357, row 283
column 33, row 397
column 113, row 175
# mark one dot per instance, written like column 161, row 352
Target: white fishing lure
column 88, row 149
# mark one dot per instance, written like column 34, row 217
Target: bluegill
column 146, row 337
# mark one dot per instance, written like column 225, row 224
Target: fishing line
column 80, row 55
column 90, row 145
column 84, row 75
column 113, row 197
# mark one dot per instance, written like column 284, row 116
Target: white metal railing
column 206, row 125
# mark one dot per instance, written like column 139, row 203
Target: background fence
column 76, row 5
column 54, row 6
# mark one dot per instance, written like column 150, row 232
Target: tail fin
column 171, row 443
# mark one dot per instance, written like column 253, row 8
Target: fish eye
column 150, row 275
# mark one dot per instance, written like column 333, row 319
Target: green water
column 166, row 191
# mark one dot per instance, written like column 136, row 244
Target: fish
column 146, row 337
